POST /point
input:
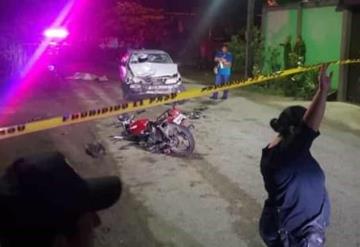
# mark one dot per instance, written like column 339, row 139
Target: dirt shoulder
column 340, row 115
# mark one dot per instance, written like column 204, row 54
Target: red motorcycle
column 169, row 133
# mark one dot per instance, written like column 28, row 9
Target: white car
column 149, row 72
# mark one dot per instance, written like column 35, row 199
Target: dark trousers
column 311, row 234
column 219, row 80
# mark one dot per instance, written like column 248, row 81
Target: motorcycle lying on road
column 169, row 133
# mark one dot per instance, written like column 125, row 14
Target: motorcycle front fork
column 163, row 144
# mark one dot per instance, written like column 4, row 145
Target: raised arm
column 316, row 110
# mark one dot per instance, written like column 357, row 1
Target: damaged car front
column 149, row 72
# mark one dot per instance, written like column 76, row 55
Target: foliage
column 294, row 55
column 237, row 48
column 136, row 24
column 257, row 46
column 266, row 59
column 272, row 57
column 301, row 85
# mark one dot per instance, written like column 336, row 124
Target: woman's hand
column 315, row 113
column 324, row 79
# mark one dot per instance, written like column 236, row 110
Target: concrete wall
column 320, row 28
column 278, row 25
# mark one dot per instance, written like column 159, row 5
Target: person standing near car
column 222, row 69
column 297, row 210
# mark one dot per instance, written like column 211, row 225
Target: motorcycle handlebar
column 162, row 116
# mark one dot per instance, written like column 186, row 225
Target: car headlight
column 136, row 80
column 133, row 80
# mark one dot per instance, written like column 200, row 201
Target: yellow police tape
column 109, row 111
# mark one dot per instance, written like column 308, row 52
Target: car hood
column 153, row 69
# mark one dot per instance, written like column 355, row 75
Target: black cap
column 43, row 192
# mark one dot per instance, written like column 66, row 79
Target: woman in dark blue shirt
column 297, row 209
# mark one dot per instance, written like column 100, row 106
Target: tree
column 136, row 24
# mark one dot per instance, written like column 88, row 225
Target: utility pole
column 249, row 37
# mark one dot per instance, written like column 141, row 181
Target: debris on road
column 118, row 138
column 196, row 113
column 95, row 149
column 103, row 78
column 87, row 77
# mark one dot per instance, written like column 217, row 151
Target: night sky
column 41, row 12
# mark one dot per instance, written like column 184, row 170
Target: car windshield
column 150, row 58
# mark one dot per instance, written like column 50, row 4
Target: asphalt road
column 52, row 97
column 213, row 198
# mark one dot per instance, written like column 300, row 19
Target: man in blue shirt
column 224, row 60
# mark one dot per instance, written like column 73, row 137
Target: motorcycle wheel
column 182, row 141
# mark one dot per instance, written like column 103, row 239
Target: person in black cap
column 45, row 203
column 297, row 210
